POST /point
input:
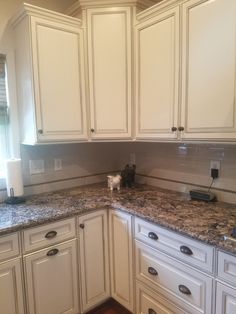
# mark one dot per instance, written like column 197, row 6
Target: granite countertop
column 207, row 222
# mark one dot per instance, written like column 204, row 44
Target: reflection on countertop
column 207, row 222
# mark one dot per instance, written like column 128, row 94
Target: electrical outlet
column 132, row 159
column 57, row 164
column 215, row 164
column 36, row 166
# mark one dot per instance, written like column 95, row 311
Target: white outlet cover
column 215, row 164
column 36, row 166
column 57, row 164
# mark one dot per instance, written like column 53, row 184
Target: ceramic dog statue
column 114, row 182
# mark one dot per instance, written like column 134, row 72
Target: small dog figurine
column 128, row 175
column 114, row 182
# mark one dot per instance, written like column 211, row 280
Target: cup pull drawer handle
column 185, row 290
column 152, row 235
column 151, row 311
column 50, row 234
column 186, row 250
column 152, row 271
column 52, row 252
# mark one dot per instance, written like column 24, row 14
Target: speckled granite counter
column 207, row 222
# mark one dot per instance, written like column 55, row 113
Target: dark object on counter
column 202, row 195
column 13, row 200
column 128, row 176
column 233, row 234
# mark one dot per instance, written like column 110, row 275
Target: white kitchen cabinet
column 50, row 76
column 209, row 70
column 121, row 258
column 94, row 261
column 109, row 66
column 52, row 279
column 157, row 75
column 11, row 289
column 225, row 299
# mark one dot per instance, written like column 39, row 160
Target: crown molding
column 31, row 10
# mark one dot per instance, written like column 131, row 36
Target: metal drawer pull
column 152, row 236
column 151, row 311
column 51, row 234
column 81, row 226
column 185, row 290
column 152, row 271
column 186, row 250
column 52, row 252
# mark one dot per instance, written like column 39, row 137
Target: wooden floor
column 110, row 307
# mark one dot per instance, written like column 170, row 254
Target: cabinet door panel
column 121, row 258
column 11, row 296
column 52, row 280
column 157, row 66
column 94, row 259
column 109, row 52
column 225, row 299
column 209, row 72
column 58, row 76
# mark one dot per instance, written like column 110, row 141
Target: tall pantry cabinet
column 50, row 76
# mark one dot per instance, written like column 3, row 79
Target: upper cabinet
column 50, row 76
column 209, row 69
column 109, row 71
column 197, row 100
column 157, row 75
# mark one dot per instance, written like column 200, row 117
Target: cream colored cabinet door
column 52, row 279
column 11, row 295
column 109, row 61
column 94, row 263
column 121, row 258
column 225, row 299
column 209, row 70
column 157, row 75
column 50, row 68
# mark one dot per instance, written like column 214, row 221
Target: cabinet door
column 109, row 57
column 11, row 296
column 121, row 258
column 51, row 280
column 157, row 71
column 58, row 80
column 94, row 263
column 225, row 299
column 209, row 69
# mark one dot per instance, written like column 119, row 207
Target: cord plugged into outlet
column 214, row 169
column 214, row 173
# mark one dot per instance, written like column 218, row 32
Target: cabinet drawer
column 177, row 282
column 152, row 303
column 227, row 267
column 49, row 234
column 188, row 250
column 9, row 246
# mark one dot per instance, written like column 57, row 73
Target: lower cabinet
column 11, row 295
column 121, row 258
column 225, row 299
column 51, row 280
column 93, row 259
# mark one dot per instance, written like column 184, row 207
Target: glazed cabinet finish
column 94, row 260
column 11, row 290
column 51, row 280
column 209, row 69
column 50, row 77
column 109, row 65
column 157, row 70
column 225, row 299
column 121, row 258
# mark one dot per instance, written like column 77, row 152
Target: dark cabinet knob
column 40, row 131
column 181, row 128
column 50, row 234
column 186, row 250
column 174, row 128
column 185, row 290
column 152, row 236
column 81, row 226
column 151, row 311
column 152, row 271
column 92, row 130
column 52, row 252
